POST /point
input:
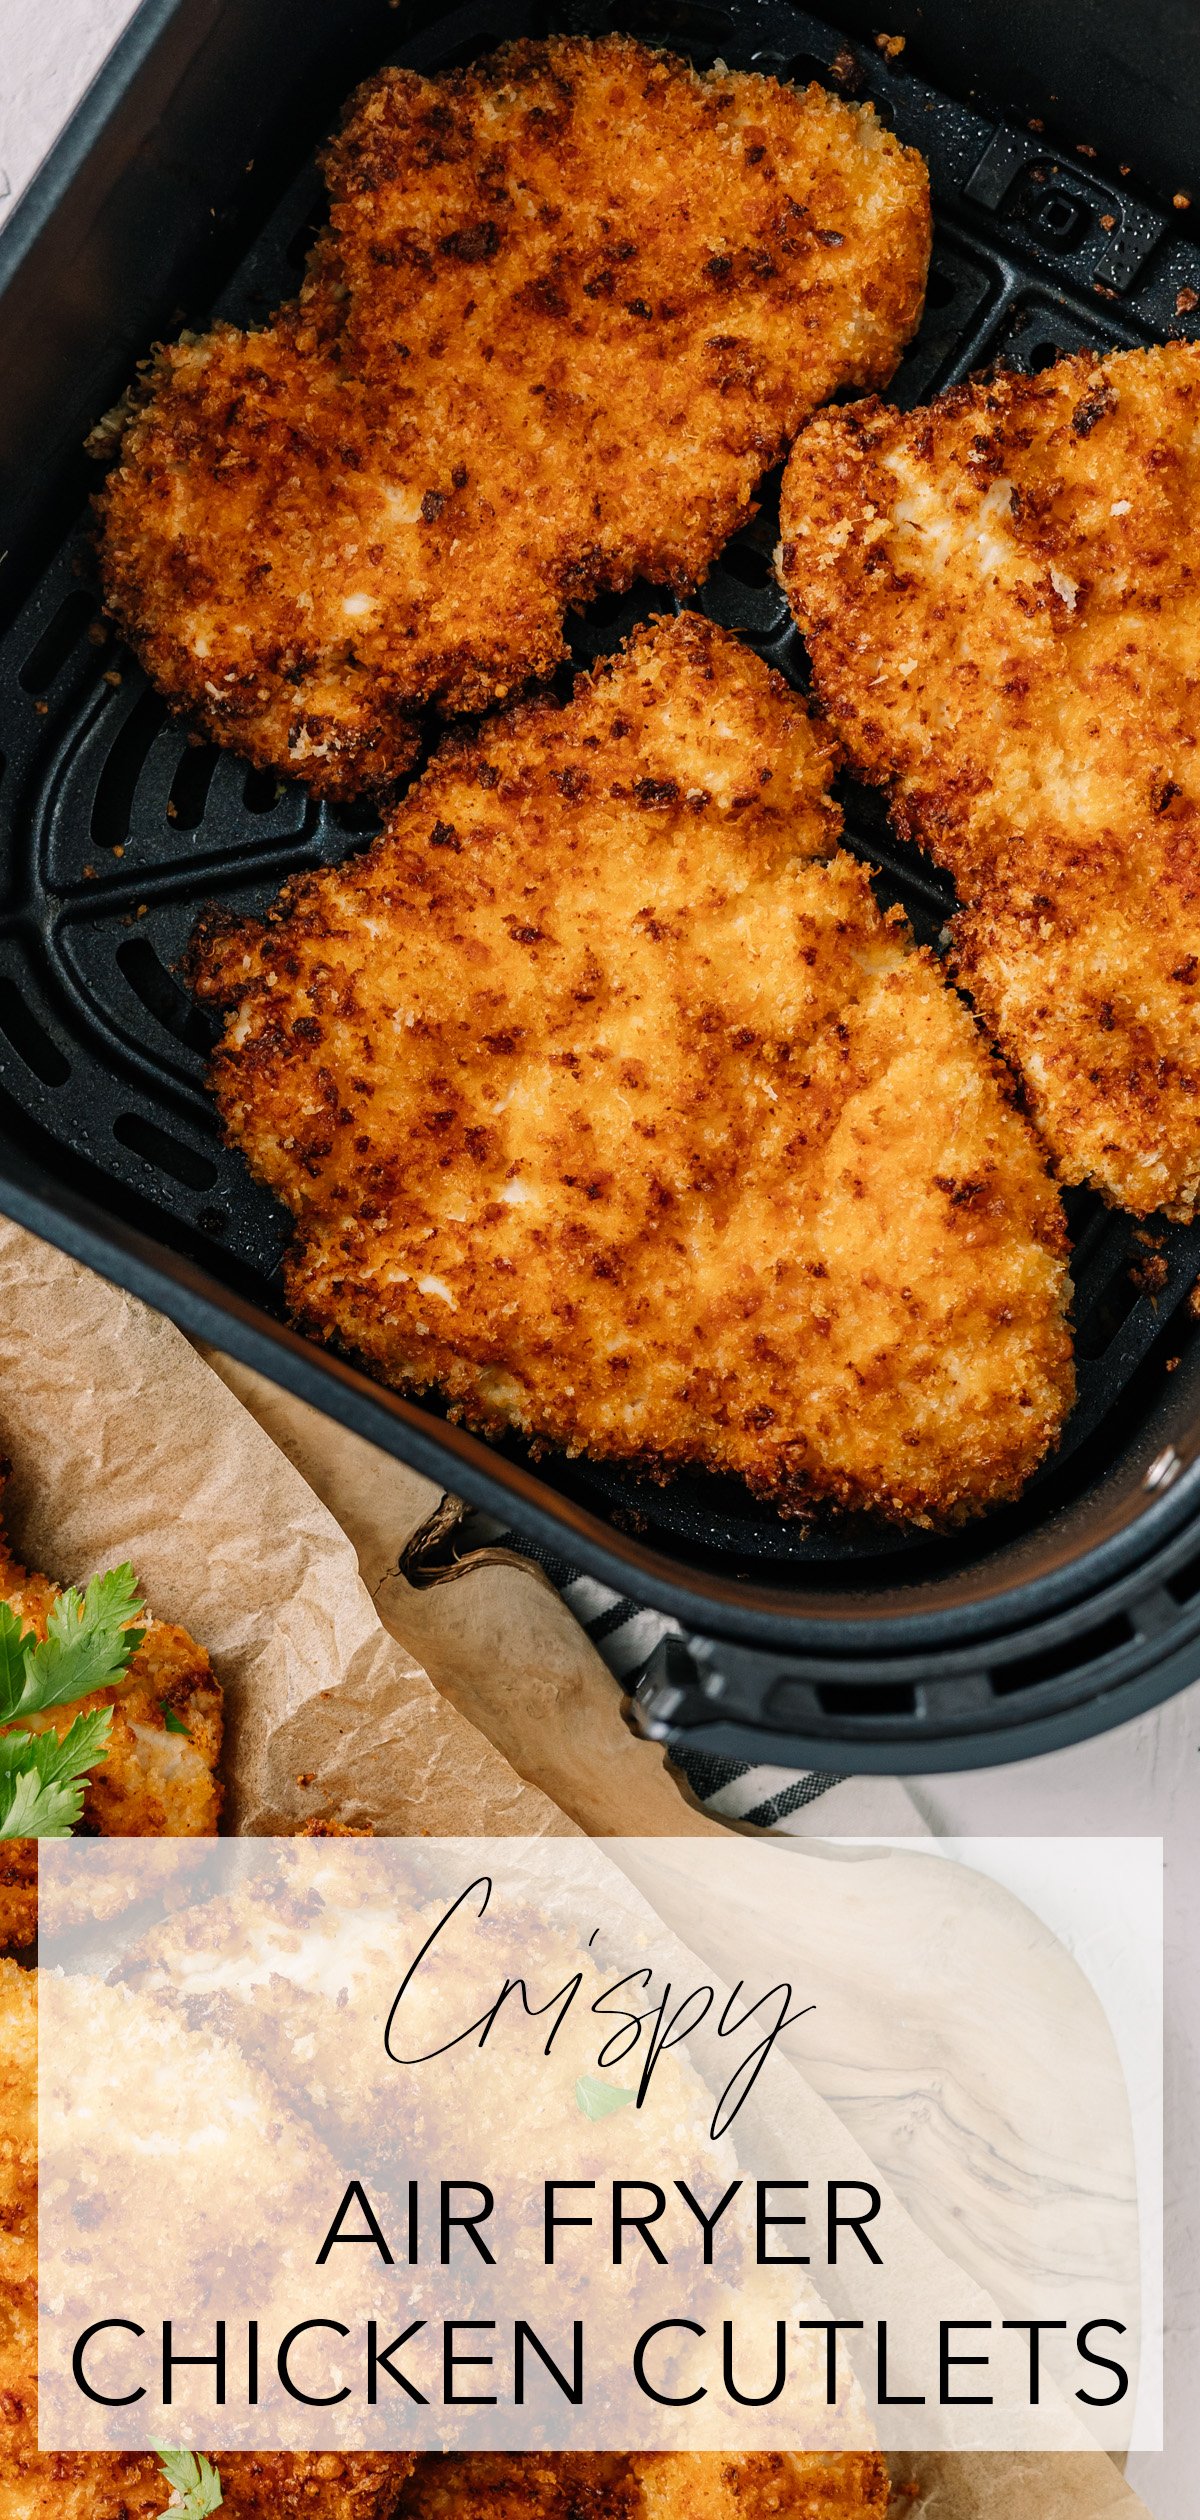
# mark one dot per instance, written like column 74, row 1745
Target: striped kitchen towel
column 625, row 1634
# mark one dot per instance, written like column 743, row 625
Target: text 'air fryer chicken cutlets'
column 666, row 2485
column 573, row 303
column 1002, row 598
column 607, row 1102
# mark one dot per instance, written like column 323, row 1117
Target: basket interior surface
column 115, row 830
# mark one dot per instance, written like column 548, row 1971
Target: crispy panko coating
column 66, row 2485
column 670, row 2485
column 280, row 2485
column 608, row 1107
column 154, row 1782
column 18, row 2210
column 1002, row 598
column 18, row 1893
column 117, row 2485
column 573, row 303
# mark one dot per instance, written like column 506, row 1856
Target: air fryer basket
column 841, row 1643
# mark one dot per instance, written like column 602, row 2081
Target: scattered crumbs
column 843, row 69
column 1193, row 1301
column 1150, row 1271
column 98, row 633
column 42, row 708
column 1083, row 148
column 113, row 679
column 307, row 1776
column 1036, row 123
column 1124, row 170
column 1102, row 291
column 118, row 848
column 1187, row 301
column 1107, row 220
column 89, row 874
column 142, row 908
column 1172, row 1362
column 1181, row 201
column 892, row 45
column 172, row 810
column 249, row 166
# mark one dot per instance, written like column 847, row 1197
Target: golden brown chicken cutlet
column 573, row 303
column 159, row 1777
column 120, row 2485
column 608, row 1103
column 1002, row 598
column 669, row 2485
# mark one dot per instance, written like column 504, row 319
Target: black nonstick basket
column 185, row 186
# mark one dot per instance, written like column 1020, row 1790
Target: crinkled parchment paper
column 496, row 1639
column 124, row 1444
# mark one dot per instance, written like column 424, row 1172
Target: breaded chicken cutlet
column 608, row 1103
column 159, row 1777
column 668, row 2485
column 573, row 303
column 116, row 2485
column 1002, row 598
column 275, row 2485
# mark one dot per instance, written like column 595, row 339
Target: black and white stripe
column 625, row 1635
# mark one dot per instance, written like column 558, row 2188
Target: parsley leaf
column 599, row 2099
column 16, row 1646
column 41, row 1777
column 88, row 1642
column 174, row 1723
column 194, row 2481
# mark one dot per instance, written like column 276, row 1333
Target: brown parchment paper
column 995, row 2485
column 497, row 1640
column 126, row 1443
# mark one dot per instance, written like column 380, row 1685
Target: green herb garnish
column 599, row 2099
column 194, row 2481
column 173, row 1722
column 88, row 1645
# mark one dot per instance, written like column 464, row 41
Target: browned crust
column 607, row 1108
column 574, row 301
column 1002, row 600
column 115, row 2485
column 129, row 2485
column 826, row 2485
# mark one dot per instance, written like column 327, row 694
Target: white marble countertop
column 1141, row 1780
column 49, row 58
